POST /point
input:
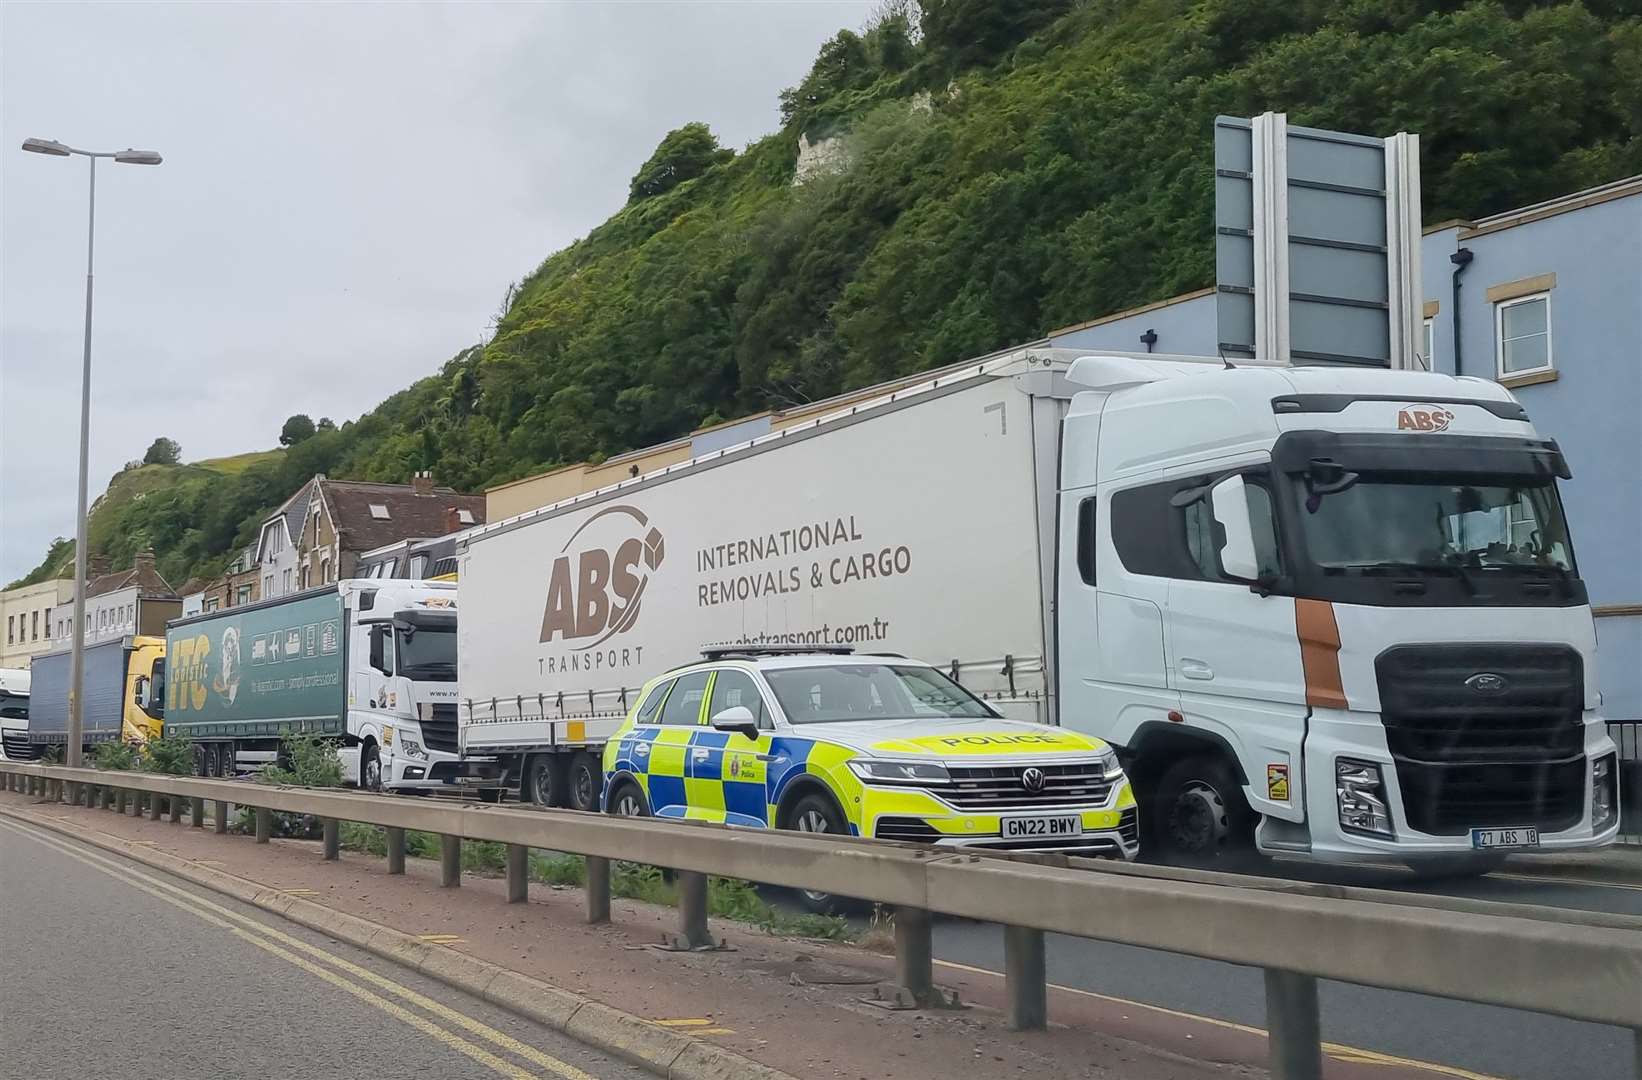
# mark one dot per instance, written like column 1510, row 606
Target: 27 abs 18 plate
column 1525, row 836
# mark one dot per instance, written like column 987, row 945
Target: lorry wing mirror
column 140, row 697
column 737, row 719
column 378, row 651
column 1230, row 505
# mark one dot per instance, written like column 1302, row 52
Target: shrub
column 172, row 755
column 115, row 756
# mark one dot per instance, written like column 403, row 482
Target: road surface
column 112, row 969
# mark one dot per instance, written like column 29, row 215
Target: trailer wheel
column 545, row 780
column 370, row 767
column 213, row 760
column 1198, row 813
column 586, row 782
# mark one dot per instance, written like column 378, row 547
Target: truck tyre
column 815, row 813
column 228, row 760
column 545, row 780
column 370, row 767
column 213, row 760
column 586, row 782
column 1198, row 813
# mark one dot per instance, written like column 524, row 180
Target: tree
column 683, row 155
column 325, row 424
column 163, row 451
column 296, row 429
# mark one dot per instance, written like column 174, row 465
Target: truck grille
column 1002, row 787
column 439, row 727
column 1467, row 759
column 18, row 747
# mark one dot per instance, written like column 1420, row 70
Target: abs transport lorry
column 1322, row 611
column 371, row 664
column 124, row 681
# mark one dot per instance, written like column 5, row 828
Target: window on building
column 210, row 603
column 34, row 631
column 1429, row 348
column 102, row 620
column 11, row 629
column 324, row 571
column 379, row 512
column 268, row 585
column 1522, row 331
column 243, row 595
column 302, row 578
column 285, row 581
column 465, row 516
column 48, row 622
column 418, row 564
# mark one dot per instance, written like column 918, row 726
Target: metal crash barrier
column 1578, row 965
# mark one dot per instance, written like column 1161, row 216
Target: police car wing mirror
column 737, row 719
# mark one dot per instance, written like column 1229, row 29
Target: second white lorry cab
column 1330, row 612
column 14, row 716
column 819, row 740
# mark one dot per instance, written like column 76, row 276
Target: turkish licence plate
column 1039, row 828
column 1521, row 837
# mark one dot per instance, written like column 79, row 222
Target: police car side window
column 734, row 688
column 647, row 711
column 684, row 703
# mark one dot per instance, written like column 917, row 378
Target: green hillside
column 1001, row 167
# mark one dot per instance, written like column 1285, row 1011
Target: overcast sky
column 348, row 190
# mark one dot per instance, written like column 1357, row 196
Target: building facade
column 276, row 549
column 29, row 612
column 137, row 601
column 1548, row 301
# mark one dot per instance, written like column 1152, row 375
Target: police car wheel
column 628, row 801
column 813, row 814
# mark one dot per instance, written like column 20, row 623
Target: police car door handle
column 765, row 757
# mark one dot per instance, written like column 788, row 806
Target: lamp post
column 77, row 675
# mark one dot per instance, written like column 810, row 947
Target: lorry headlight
column 412, row 749
column 1604, row 793
column 898, row 772
column 1359, row 789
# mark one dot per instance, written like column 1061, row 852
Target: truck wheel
column 370, row 768
column 816, row 814
column 213, row 760
column 1198, row 813
column 228, row 760
column 545, row 781
column 586, row 782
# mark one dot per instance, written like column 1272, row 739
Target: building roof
column 409, row 514
column 148, row 580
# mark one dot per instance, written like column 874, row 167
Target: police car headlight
column 1110, row 768
column 899, row 772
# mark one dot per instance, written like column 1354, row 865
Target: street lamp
column 53, row 148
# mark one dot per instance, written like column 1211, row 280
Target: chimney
column 453, row 520
column 143, row 560
column 96, row 566
column 422, row 484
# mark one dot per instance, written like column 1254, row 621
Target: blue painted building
column 1549, row 300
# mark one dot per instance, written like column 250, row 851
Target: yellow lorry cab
column 864, row 745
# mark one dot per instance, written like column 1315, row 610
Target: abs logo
column 1424, row 418
column 595, row 593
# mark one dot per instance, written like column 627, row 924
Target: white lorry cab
column 1328, row 612
column 14, row 716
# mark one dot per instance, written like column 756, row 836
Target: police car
column 865, row 745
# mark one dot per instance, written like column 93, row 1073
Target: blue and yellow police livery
column 866, row 745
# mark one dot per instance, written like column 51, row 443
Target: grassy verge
column 737, row 901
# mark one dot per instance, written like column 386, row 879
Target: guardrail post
column 265, row 824
column 914, row 953
column 518, row 873
column 219, row 814
column 450, row 860
column 1638, row 1062
column 107, row 796
column 396, row 849
column 119, row 801
column 153, row 806
column 196, row 812
column 333, row 839
column 1025, row 978
column 598, row 889
column 692, row 910
column 174, row 805
column 1296, row 1031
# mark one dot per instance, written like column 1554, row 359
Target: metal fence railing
column 1628, row 736
column 1580, row 965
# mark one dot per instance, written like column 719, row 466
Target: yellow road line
column 698, row 1022
column 200, row 906
column 440, row 939
column 1333, row 1050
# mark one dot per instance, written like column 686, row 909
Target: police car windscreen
column 828, row 693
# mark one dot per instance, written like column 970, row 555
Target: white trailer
column 1138, row 548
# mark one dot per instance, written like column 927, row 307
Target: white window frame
column 1499, row 335
column 1430, row 343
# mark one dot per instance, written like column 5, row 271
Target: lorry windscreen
column 1409, row 523
column 840, row 692
column 14, row 706
column 426, row 653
